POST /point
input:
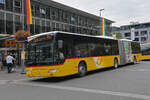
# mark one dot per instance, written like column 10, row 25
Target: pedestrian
column 9, row 61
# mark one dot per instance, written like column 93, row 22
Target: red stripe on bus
column 92, row 57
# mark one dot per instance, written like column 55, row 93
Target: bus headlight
column 53, row 71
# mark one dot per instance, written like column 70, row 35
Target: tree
column 117, row 35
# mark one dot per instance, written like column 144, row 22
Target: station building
column 139, row 31
column 47, row 15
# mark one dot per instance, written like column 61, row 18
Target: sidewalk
column 15, row 75
column 17, row 69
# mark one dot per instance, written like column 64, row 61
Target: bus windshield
column 40, row 51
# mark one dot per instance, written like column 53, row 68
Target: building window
column 48, row 13
column 143, row 39
column 74, row 19
column 48, row 26
column 85, row 22
column 78, row 30
column 9, row 5
column 43, row 26
column 62, row 27
column 18, row 3
column 25, row 23
column 57, row 27
column 2, row 2
column 67, row 29
column 143, row 33
column 136, row 39
column 136, row 33
column 33, row 10
column 65, row 17
column 127, row 34
column 18, row 23
column 89, row 23
column 37, row 11
column 43, row 12
column 54, row 13
column 2, row 23
column 32, row 27
column 18, row 6
column 60, row 15
column 53, row 26
column 37, row 26
column 9, row 23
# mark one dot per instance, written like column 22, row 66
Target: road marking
column 139, row 70
column 96, row 91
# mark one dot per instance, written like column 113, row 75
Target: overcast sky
column 121, row 11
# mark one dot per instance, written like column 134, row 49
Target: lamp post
column 21, row 37
column 100, row 19
column 100, row 12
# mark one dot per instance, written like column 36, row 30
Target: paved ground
column 131, row 82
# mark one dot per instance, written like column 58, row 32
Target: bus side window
column 81, row 47
column 60, row 44
column 68, row 46
column 77, row 52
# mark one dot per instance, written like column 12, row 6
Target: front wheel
column 82, row 70
column 115, row 63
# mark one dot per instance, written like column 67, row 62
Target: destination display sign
column 42, row 38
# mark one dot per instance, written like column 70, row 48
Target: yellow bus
column 146, row 54
column 145, row 48
column 57, row 54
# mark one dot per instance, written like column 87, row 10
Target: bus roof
column 55, row 32
column 126, row 40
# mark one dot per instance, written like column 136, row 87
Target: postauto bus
column 57, row 54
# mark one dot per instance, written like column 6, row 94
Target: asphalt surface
column 130, row 82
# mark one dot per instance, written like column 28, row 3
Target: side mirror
column 60, row 44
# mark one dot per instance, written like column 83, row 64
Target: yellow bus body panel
column 70, row 66
column 138, row 57
column 145, row 57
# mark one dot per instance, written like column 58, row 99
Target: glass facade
column 45, row 18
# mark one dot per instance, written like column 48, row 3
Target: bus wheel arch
column 82, row 68
column 116, row 63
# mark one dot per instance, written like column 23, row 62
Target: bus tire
column 134, row 60
column 116, row 63
column 82, row 69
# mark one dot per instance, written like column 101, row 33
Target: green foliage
column 117, row 35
